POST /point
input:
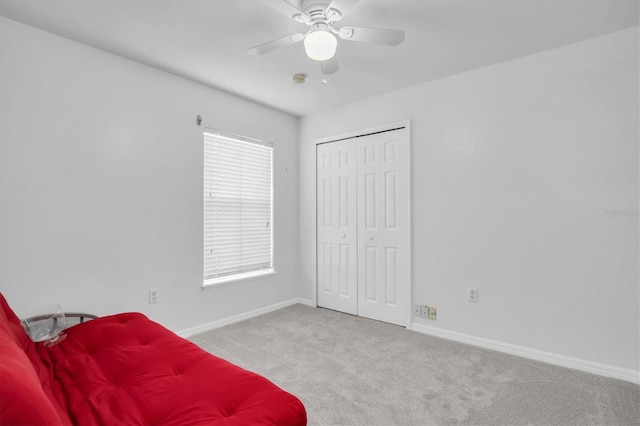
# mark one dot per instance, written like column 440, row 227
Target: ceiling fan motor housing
column 317, row 16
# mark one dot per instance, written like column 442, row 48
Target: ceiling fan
column 320, row 40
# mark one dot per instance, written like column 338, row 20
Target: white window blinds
column 238, row 237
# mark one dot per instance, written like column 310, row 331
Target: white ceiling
column 206, row 40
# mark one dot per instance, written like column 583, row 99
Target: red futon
column 128, row 370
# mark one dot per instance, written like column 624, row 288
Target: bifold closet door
column 363, row 213
column 383, row 226
column 337, row 258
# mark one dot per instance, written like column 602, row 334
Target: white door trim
column 353, row 134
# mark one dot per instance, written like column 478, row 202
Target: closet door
column 337, row 257
column 383, row 226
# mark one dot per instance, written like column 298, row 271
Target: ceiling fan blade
column 284, row 7
column 329, row 66
column 343, row 6
column 275, row 44
column 372, row 35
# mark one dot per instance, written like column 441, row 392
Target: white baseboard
column 632, row 376
column 188, row 332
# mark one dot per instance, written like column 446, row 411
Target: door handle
column 344, row 236
column 370, row 237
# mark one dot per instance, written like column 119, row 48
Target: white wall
column 101, row 184
column 513, row 167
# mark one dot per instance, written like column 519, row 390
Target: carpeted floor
column 354, row 371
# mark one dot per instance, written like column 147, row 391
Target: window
column 238, row 232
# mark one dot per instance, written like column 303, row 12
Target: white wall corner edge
column 605, row 370
column 191, row 331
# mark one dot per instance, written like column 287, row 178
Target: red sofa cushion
column 22, row 400
column 25, row 395
column 126, row 369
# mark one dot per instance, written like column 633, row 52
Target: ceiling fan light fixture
column 320, row 45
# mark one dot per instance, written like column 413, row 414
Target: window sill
column 239, row 277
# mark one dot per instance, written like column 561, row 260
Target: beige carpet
column 353, row 371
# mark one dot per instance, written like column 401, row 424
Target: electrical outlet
column 426, row 312
column 473, row 294
column 432, row 312
column 153, row 295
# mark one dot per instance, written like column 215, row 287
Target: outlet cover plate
column 473, row 294
column 424, row 311
column 153, row 295
column 416, row 310
column 433, row 314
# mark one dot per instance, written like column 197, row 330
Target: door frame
column 354, row 134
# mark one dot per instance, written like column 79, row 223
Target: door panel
column 391, row 275
column 391, row 200
column 383, row 226
column 337, row 230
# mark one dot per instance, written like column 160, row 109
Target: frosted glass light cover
column 320, row 45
